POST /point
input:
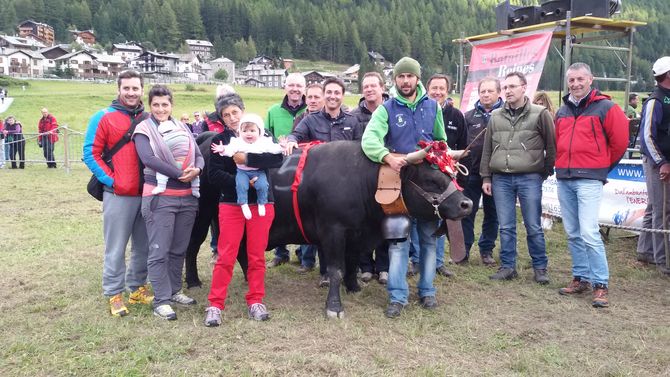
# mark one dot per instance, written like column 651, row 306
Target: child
column 250, row 139
column 179, row 142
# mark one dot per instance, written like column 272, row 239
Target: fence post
column 66, row 156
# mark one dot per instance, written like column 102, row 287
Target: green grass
column 55, row 321
column 318, row 65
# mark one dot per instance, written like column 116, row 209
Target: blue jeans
column 580, row 205
column 399, row 257
column 487, row 240
column 414, row 246
column 261, row 185
column 506, row 188
column 307, row 255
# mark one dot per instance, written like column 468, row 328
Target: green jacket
column 281, row 116
column 373, row 138
column 519, row 144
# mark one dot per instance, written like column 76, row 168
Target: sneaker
column 504, row 273
column 165, row 312
column 141, row 296
column 182, row 299
column 540, row 276
column 212, row 316
column 304, row 269
column 324, row 281
column 276, row 262
column 444, row 271
column 600, row 296
column 576, row 286
column 487, row 260
column 383, row 278
column 393, row 310
column 412, row 269
column 428, row 302
column 366, row 276
column 117, row 307
column 258, row 312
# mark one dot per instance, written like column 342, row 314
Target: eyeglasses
column 510, row 87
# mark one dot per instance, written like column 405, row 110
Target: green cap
column 407, row 65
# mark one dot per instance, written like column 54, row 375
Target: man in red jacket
column 591, row 138
column 48, row 136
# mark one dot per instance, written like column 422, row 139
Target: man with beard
column 393, row 131
column 122, row 197
column 280, row 123
column 373, row 96
column 476, row 121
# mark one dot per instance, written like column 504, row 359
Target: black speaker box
column 525, row 16
column 504, row 15
column 554, row 10
column 593, row 8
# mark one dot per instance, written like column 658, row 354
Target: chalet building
column 225, row 64
column 200, row 48
column 251, row 81
column 51, row 54
column 21, row 63
column 88, row 65
column 189, row 66
column 153, row 62
column 351, row 73
column 20, row 43
column 83, row 37
column 273, row 78
column 40, row 31
column 314, row 77
column 126, row 51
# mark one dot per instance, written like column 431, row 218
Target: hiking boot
column 117, row 307
column 212, row 316
column 428, row 302
column 504, row 273
column 600, row 296
column 393, row 310
column 165, row 312
column 366, row 276
column 444, row 271
column 182, row 299
column 258, row 312
column 540, row 276
column 383, row 278
column 304, row 269
column 487, row 260
column 412, row 269
column 276, row 262
column 576, row 286
column 141, row 296
column 324, row 281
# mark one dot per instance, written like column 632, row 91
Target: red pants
column 232, row 226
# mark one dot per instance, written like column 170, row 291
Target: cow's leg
column 333, row 242
column 352, row 258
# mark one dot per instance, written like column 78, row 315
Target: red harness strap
column 296, row 182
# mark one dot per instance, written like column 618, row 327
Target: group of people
column 514, row 144
column 13, row 141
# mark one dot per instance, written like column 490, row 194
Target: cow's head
column 428, row 192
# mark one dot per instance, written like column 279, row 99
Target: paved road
column 5, row 106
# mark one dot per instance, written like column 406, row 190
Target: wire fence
column 23, row 149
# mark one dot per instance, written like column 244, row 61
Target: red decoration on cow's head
column 440, row 159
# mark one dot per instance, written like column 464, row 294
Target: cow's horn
column 416, row 157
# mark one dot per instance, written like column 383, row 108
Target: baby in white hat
column 250, row 139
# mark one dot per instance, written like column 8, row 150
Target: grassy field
column 55, row 322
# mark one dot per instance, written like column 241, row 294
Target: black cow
column 338, row 209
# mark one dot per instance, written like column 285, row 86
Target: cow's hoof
column 354, row 289
column 334, row 315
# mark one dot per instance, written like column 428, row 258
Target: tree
column 221, row 74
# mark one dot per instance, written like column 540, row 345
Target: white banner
column 624, row 195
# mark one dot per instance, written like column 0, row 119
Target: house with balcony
column 83, row 37
column 273, row 78
column 51, row 54
column 200, row 48
column 37, row 30
column 21, row 63
column 20, row 43
column 126, row 51
column 153, row 62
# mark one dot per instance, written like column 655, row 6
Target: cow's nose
column 466, row 205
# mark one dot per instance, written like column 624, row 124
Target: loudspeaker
column 504, row 15
column 525, row 16
column 593, row 8
column 554, row 10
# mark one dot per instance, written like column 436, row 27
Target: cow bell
column 395, row 228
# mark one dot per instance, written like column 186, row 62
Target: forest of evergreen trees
column 335, row 30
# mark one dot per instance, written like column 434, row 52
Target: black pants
column 17, row 144
column 380, row 262
column 48, row 149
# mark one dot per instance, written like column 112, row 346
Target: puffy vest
column 406, row 127
column 663, row 131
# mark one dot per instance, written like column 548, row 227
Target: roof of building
column 353, row 69
column 22, row 41
column 198, row 42
column 322, row 74
column 12, row 51
column 221, row 60
column 64, row 47
column 105, row 58
column 75, row 53
column 34, row 22
column 128, row 47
